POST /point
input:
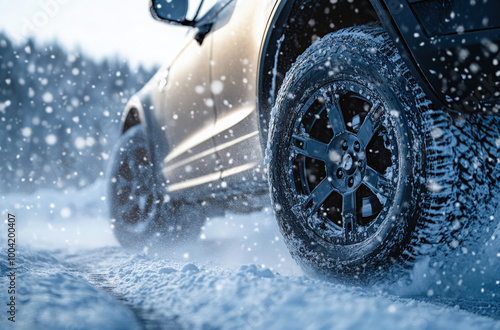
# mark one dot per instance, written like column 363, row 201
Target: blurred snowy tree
column 59, row 114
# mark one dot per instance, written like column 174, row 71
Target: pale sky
column 98, row 27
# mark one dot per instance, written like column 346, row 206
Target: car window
column 206, row 6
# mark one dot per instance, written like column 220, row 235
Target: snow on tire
column 463, row 171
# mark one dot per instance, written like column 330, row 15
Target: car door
column 235, row 56
column 188, row 115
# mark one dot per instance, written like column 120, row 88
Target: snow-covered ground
column 73, row 275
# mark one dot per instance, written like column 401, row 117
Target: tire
column 360, row 168
column 141, row 214
column 135, row 197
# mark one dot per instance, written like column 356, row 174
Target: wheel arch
column 132, row 118
column 133, row 114
column 278, row 55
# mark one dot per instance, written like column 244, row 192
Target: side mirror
column 172, row 11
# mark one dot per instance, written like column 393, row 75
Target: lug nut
column 340, row 174
column 350, row 182
column 357, row 147
column 344, row 145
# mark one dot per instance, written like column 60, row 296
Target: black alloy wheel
column 345, row 168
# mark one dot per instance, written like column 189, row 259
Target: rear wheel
column 142, row 214
column 136, row 198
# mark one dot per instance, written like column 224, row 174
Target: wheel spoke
column 369, row 207
column 121, row 183
column 318, row 196
column 371, row 124
column 310, row 148
column 335, row 115
column 349, row 213
column 377, row 183
column 145, row 207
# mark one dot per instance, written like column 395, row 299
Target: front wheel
column 345, row 150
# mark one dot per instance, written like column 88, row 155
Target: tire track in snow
column 148, row 319
column 145, row 317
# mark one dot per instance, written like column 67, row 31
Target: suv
column 366, row 113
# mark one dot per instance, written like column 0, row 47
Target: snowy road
column 73, row 275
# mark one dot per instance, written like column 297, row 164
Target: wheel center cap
column 347, row 162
